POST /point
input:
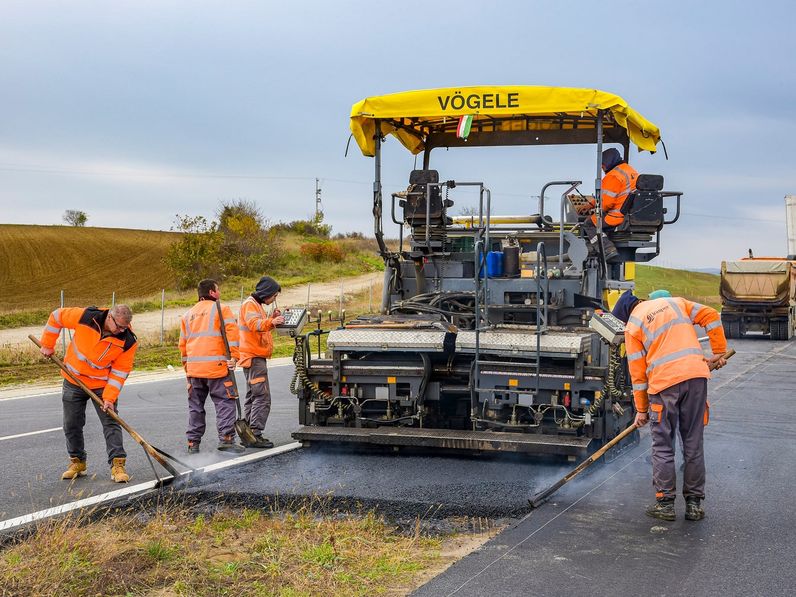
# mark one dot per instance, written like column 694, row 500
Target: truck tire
column 735, row 329
column 727, row 329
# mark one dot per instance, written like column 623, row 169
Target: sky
column 137, row 111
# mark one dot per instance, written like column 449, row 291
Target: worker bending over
column 101, row 356
column 208, row 369
column 670, row 385
column 617, row 184
column 257, row 345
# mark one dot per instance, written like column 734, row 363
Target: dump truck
column 492, row 334
column 758, row 294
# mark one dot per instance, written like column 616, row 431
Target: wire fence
column 157, row 323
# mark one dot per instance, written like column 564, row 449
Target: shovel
column 242, row 427
column 542, row 496
column 150, row 450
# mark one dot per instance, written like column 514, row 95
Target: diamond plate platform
column 449, row 439
column 511, row 341
column 391, row 340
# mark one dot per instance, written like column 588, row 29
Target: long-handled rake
column 151, row 451
column 541, row 497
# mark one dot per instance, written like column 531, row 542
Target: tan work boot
column 77, row 468
column 118, row 474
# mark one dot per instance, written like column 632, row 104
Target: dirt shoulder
column 149, row 323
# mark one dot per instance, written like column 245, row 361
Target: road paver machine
column 490, row 335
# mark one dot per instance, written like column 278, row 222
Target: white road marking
column 19, row 521
column 30, row 433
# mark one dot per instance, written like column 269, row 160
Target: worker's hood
column 502, row 115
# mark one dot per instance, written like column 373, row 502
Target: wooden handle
column 111, row 413
column 542, row 496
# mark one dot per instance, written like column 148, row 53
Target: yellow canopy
column 510, row 115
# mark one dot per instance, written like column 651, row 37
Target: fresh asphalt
column 591, row 538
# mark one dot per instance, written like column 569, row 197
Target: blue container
column 494, row 264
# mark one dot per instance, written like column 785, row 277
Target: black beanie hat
column 625, row 305
column 266, row 287
column 611, row 158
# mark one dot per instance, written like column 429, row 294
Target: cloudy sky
column 135, row 111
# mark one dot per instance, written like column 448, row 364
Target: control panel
column 608, row 326
column 295, row 320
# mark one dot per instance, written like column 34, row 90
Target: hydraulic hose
column 300, row 358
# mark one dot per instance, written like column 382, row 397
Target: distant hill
column 696, row 286
column 37, row 262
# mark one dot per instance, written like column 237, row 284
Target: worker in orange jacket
column 208, row 369
column 617, row 184
column 257, row 345
column 101, row 356
column 670, row 374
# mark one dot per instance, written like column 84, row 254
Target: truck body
column 483, row 341
column 758, row 295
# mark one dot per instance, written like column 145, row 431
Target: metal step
column 449, row 439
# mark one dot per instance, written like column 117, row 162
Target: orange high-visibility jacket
column 201, row 344
column 255, row 332
column 617, row 184
column 662, row 345
column 97, row 361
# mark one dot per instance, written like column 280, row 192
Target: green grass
column 696, row 286
column 301, row 552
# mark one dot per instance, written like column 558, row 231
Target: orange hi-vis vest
column 97, row 361
column 616, row 186
column 662, row 345
column 201, row 344
column 255, row 332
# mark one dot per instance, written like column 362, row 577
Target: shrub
column 323, row 251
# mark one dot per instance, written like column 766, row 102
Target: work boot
column 193, row 447
column 609, row 248
column 77, row 468
column 693, row 509
column 261, row 442
column 118, row 474
column 227, row 444
column 662, row 510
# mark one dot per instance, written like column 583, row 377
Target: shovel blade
column 245, row 432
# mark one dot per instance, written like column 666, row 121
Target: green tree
column 197, row 255
column 75, row 217
column 248, row 248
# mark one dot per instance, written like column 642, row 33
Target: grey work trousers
column 74, row 402
column 223, row 396
column 257, row 406
column 682, row 405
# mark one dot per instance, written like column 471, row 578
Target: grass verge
column 247, row 552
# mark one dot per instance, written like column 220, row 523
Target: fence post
column 308, row 295
column 113, row 299
column 370, row 297
column 63, row 330
column 241, row 296
column 341, row 296
column 162, row 313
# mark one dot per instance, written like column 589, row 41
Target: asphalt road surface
column 590, row 538
column 33, row 449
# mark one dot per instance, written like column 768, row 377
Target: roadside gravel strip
column 148, row 323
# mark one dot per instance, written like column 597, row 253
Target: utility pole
column 318, row 205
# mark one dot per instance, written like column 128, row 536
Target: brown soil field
column 37, row 262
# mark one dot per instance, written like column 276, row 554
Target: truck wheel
column 735, row 329
column 727, row 329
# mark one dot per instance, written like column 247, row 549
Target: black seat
column 415, row 204
column 643, row 209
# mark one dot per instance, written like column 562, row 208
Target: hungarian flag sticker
column 463, row 130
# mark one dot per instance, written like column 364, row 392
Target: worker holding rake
column 670, row 374
column 101, row 357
